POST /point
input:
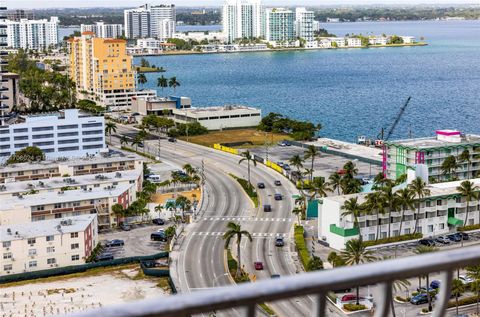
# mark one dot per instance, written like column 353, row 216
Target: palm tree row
column 162, row 82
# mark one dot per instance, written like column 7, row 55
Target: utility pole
column 159, row 146
column 202, row 173
column 266, row 146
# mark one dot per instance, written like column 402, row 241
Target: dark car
column 158, row 236
column 125, row 227
column 286, row 167
column 158, row 221
column 463, row 235
column 267, row 208
column 278, row 196
column 435, row 284
column 258, row 265
column 275, row 276
column 454, row 237
column 279, row 242
column 115, row 243
column 141, row 144
column 104, row 257
column 278, row 183
column 421, row 298
column 427, row 242
column 261, row 185
column 173, row 140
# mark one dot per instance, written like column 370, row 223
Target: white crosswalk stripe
column 246, row 219
column 254, row 234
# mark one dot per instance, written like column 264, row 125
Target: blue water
column 350, row 92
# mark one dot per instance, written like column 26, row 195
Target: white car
column 465, row 279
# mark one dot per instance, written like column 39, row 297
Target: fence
column 225, row 149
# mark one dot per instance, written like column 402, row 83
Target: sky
column 133, row 3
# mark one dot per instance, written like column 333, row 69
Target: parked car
column 267, row 208
column 173, row 140
column 463, row 235
column 158, row 221
column 125, row 227
column 158, row 236
column 258, row 265
column 141, row 144
column 281, row 164
column 443, row 240
column 454, row 237
column 275, row 276
column 278, row 183
column 279, row 242
column 465, row 279
column 348, row 297
column 282, row 144
column 286, row 167
column 341, row 171
column 104, row 257
column 427, row 242
column 278, row 196
column 421, row 298
column 435, row 284
column 115, row 243
column 261, row 185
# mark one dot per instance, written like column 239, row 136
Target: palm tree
column 123, row 140
column 391, row 202
column 418, row 187
column 422, row 249
column 457, row 289
column 464, row 157
column 162, row 82
column 158, row 209
column 335, row 260
column 118, row 211
column 183, row 203
column 375, row 203
column 173, row 83
column 354, row 254
column 473, row 272
column 235, row 230
column 297, row 162
column 319, row 188
column 297, row 212
column 354, row 209
column 406, row 199
column 142, row 79
column 137, row 140
column 249, row 158
column 449, row 166
column 470, row 191
column 311, row 153
column 110, row 128
column 350, row 169
column 335, row 181
column 397, row 286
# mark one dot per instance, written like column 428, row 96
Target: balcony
column 317, row 284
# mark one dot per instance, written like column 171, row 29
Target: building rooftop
column 47, row 228
column 435, row 142
column 200, row 110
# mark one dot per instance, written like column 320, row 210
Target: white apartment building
column 63, row 134
column 200, row 36
column 232, row 48
column 331, row 42
column 56, row 243
column 149, row 21
column 103, row 30
column 166, row 29
column 242, row 19
column 440, row 213
column 304, row 24
column 408, row 39
column 137, row 23
column 378, row 40
column 280, row 27
column 32, row 34
column 316, row 26
column 354, row 42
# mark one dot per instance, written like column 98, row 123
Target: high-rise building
column 242, row 19
column 3, row 63
column 280, row 26
column 166, row 29
column 148, row 21
column 103, row 30
column 304, row 24
column 18, row 15
column 102, row 70
column 32, row 34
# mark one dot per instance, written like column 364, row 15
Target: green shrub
column 354, row 307
column 402, row 299
column 463, row 301
column 469, row 228
column 405, row 237
column 248, row 188
column 301, row 247
column 28, row 154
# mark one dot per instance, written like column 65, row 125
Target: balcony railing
column 248, row 295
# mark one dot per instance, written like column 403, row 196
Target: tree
column 28, row 154
column 355, row 253
column 144, row 63
column 422, row 249
column 405, row 199
column 397, row 286
column 311, row 153
column 173, row 83
column 123, row 140
column 352, row 208
column 350, row 169
column 162, row 82
column 159, row 208
column 314, row 264
column 249, row 158
column 376, row 204
column 142, row 79
column 137, row 140
column 110, row 127
column 418, row 187
column 470, row 191
column 335, row 260
column 457, row 289
column 161, row 69
column 234, row 230
column 465, row 157
column 297, row 212
column 473, row 272
column 118, row 211
column 391, row 202
column 183, row 203
column 449, row 166
column 319, row 187
column 335, row 181
column 297, row 162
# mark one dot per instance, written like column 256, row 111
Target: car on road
column 261, row 185
column 267, row 208
column 427, row 242
column 158, row 221
column 258, row 265
column 104, row 257
column 125, row 227
column 281, row 164
column 278, row 183
column 282, row 144
column 141, row 144
column 279, row 242
column 159, row 236
column 442, row 240
column 286, row 167
column 435, row 284
column 275, row 276
column 173, row 140
column 115, row 243
column 465, row 279
column 454, row 237
column 278, row 196
column 418, row 299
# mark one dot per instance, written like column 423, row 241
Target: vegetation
column 354, row 307
column 311, row 153
column 470, row 191
column 301, row 246
column 449, row 167
column 469, row 228
column 157, row 123
column 89, row 106
column 95, row 252
column 248, row 188
column 247, row 157
column 419, row 189
column 183, row 45
column 457, row 290
column 190, row 129
column 28, row 154
column 298, row 130
column 335, row 260
column 474, row 273
column 422, row 249
column 234, row 230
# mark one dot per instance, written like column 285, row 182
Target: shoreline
column 170, row 53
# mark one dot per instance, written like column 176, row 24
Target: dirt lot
column 162, row 198
column 238, row 135
column 79, row 292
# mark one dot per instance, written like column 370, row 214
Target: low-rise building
column 67, row 133
column 150, row 46
column 158, row 106
column 199, row 36
column 332, row 42
column 354, row 42
column 62, row 242
column 408, row 39
column 232, row 48
column 378, row 40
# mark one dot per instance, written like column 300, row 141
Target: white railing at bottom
column 248, row 295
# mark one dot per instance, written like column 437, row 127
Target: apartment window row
column 43, row 143
column 62, row 134
column 42, row 136
column 92, row 132
column 68, row 141
column 86, row 140
column 69, row 148
column 92, row 125
column 36, row 129
column 67, row 126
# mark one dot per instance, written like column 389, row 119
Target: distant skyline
column 129, row 3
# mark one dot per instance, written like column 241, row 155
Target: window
column 441, row 226
column 75, row 257
column 51, row 261
column 89, row 147
column 427, row 203
column 32, row 240
column 62, row 134
column 75, row 246
column 32, row 264
column 74, row 235
column 50, row 238
column 92, row 139
column 42, row 129
column 7, row 244
column 20, row 138
column 67, row 141
column 439, row 202
column 371, row 236
column 91, row 125
column 7, row 267
column 59, row 215
column 43, row 143
column 68, row 126
column 406, row 231
column 92, row 132
column 56, row 206
column 38, row 208
column 23, row 130
column 7, row 255
column 42, row 136
column 21, row 145
column 32, row 252
column 430, row 228
column 69, row 148
column 50, row 249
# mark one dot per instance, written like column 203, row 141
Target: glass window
column 7, row 267
column 32, row 252
column 32, row 264
column 50, row 249
column 7, row 244
column 75, row 257
column 74, row 235
column 75, row 246
column 7, row 255
column 50, row 238
column 31, row 240
column 51, row 261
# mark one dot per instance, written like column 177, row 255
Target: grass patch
column 248, row 188
column 469, row 228
column 149, row 156
column 267, row 309
column 354, row 307
column 249, row 137
column 163, row 283
column 141, row 69
column 301, row 246
column 405, row 237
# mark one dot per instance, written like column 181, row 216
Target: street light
column 216, row 277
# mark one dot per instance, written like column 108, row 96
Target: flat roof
column 433, row 142
column 46, row 227
column 218, row 108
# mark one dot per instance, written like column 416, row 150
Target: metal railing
column 318, row 284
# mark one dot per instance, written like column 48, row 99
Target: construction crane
column 380, row 136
